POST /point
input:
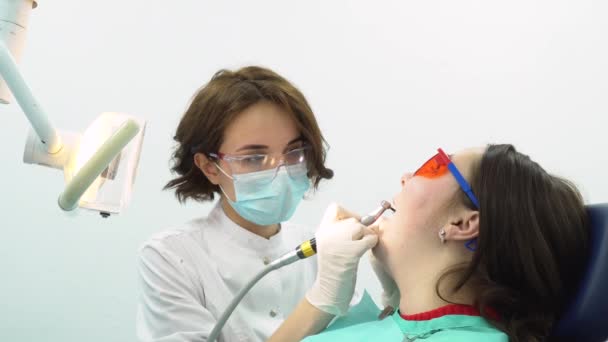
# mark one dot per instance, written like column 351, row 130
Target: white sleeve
column 168, row 308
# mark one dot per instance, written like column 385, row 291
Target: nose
column 406, row 176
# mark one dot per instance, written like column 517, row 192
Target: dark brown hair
column 532, row 243
column 217, row 104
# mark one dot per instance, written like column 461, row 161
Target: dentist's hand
column 341, row 241
column 390, row 293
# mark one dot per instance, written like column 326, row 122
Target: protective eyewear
column 249, row 163
column 438, row 166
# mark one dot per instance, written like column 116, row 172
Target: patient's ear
column 208, row 167
column 463, row 226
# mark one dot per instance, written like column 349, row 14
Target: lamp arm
column 32, row 109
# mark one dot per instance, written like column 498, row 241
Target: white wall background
column 389, row 81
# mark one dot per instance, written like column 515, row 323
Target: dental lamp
column 99, row 165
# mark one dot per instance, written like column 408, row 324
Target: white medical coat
column 188, row 275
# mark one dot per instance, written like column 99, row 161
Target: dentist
column 249, row 137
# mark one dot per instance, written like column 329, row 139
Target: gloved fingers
column 342, row 231
column 370, row 240
column 388, row 311
column 376, row 225
column 390, row 291
column 388, row 284
column 369, row 231
column 373, row 261
column 377, row 266
column 392, row 297
column 366, row 243
column 343, row 213
column 330, row 213
column 335, row 213
column 357, row 231
column 375, row 228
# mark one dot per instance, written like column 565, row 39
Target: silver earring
column 442, row 235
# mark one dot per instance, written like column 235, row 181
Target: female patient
column 485, row 245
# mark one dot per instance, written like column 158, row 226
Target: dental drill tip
column 375, row 215
column 387, row 205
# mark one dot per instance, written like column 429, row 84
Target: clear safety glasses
column 250, row 163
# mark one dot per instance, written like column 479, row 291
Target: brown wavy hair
column 217, row 104
column 532, row 244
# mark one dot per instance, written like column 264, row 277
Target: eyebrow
column 255, row 147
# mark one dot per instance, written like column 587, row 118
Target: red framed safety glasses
column 438, row 166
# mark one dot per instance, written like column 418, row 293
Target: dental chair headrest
column 586, row 318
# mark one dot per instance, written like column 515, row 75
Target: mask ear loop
column 222, row 171
column 227, row 175
column 216, row 160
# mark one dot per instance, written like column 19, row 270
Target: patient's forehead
column 466, row 158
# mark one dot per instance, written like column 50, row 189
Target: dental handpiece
column 306, row 249
column 309, row 247
column 375, row 215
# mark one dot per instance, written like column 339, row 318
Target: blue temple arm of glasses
column 463, row 184
column 471, row 245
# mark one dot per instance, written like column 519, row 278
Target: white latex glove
column 390, row 291
column 341, row 241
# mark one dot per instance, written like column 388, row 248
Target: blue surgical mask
column 270, row 196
